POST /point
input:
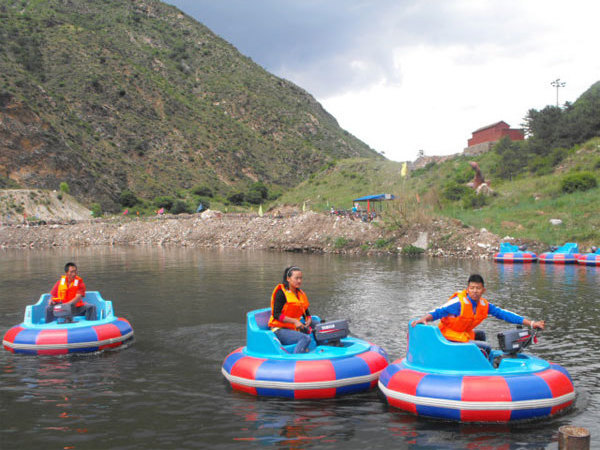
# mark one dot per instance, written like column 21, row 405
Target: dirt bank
column 295, row 231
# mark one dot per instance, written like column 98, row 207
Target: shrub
column 179, row 207
column 203, row 190
column 237, row 198
column 340, row 242
column 473, row 200
column 163, row 201
column 96, row 210
column 581, row 181
column 128, row 198
column 454, row 191
column 64, row 187
column 382, row 243
column 254, row 197
column 412, row 250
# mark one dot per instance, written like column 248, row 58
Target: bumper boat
column 455, row 381
column 35, row 337
column 265, row 367
column 567, row 254
column 590, row 259
column 513, row 254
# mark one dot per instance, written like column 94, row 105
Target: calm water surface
column 187, row 308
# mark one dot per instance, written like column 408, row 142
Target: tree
column 128, row 198
column 64, row 187
column 512, row 158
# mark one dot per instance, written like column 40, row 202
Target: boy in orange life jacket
column 70, row 290
column 467, row 309
column 289, row 304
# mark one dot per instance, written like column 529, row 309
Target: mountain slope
column 111, row 95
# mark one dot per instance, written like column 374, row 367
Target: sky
column 410, row 75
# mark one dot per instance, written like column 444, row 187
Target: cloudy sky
column 410, row 75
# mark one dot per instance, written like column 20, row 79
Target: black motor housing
column 330, row 333
column 513, row 341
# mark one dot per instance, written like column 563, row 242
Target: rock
column 556, row 222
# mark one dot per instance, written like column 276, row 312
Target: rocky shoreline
column 308, row 232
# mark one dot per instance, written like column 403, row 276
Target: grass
column 522, row 207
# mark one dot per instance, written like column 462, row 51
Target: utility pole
column 557, row 84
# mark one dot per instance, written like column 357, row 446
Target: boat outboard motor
column 63, row 312
column 513, row 341
column 523, row 247
column 330, row 333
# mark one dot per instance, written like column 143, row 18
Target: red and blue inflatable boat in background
column 512, row 254
column 590, row 259
column 455, row 381
column 566, row 254
column 265, row 367
column 35, row 337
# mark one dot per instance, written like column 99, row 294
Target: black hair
column 476, row 278
column 288, row 273
column 69, row 264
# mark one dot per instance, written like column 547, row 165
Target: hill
column 37, row 205
column 521, row 208
column 111, row 96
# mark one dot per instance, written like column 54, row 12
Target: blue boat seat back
column 36, row 314
column 507, row 247
column 569, row 248
column 429, row 350
column 260, row 338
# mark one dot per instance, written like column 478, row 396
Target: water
column 187, row 308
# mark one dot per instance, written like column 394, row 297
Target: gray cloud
column 329, row 47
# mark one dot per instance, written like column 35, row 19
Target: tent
column 374, row 198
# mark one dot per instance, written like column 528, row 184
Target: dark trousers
column 480, row 341
column 86, row 309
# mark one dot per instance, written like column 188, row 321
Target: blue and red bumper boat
column 590, row 259
column 265, row 367
column 566, row 254
column 35, row 337
column 513, row 254
column 456, row 381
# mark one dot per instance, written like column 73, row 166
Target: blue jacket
column 452, row 308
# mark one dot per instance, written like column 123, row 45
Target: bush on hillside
column 581, row 181
column 164, row 201
column 96, row 210
column 454, row 191
column 180, row 207
column 128, row 198
column 473, row 201
column 203, row 190
column 237, row 198
column 64, row 187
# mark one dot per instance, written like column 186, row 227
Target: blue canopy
column 375, row 198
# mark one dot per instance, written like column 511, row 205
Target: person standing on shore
column 70, row 290
column 289, row 304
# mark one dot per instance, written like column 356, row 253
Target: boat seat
column 429, row 349
column 569, row 248
column 506, row 247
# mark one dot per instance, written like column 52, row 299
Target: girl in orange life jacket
column 289, row 304
column 467, row 309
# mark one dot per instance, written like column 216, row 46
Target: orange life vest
column 460, row 328
column 67, row 292
column 294, row 307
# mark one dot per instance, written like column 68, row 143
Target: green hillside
column 114, row 95
column 521, row 208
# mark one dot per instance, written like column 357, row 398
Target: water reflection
column 188, row 309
